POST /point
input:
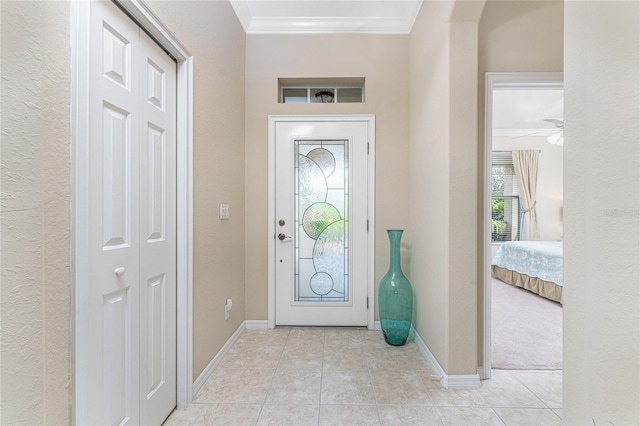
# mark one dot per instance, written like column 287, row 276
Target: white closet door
column 130, row 356
column 157, row 233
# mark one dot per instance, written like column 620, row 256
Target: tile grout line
column 499, row 416
column 324, row 343
column 375, row 395
column 368, row 345
column 530, row 390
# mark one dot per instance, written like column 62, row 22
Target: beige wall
column 428, row 167
column 550, row 189
column 602, row 222
column 383, row 61
column 35, row 214
column 213, row 35
column 525, row 36
column 443, row 163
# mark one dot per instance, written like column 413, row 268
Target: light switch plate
column 224, row 211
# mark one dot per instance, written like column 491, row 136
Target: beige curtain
column 525, row 164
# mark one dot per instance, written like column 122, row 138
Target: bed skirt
column 544, row 288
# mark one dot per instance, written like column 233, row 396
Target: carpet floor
column 526, row 330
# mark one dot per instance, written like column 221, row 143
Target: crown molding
column 325, row 25
column 241, row 8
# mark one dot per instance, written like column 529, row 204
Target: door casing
column 493, row 80
column 271, row 228
column 80, row 31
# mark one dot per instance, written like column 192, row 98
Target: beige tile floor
column 311, row 376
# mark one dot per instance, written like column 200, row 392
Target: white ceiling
column 522, row 112
column 326, row 16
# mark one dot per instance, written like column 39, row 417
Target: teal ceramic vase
column 395, row 297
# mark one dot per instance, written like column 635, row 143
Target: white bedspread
column 540, row 259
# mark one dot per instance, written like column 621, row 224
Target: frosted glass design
column 318, row 217
column 321, row 231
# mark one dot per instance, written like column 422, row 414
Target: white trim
column 433, row 362
column 256, row 324
column 208, row 370
column 481, row 373
column 377, row 326
column 309, row 25
column 271, row 230
column 79, row 127
column 449, row 381
column 148, row 21
column 460, row 381
column 184, row 200
column 325, row 25
column 371, row 161
column 496, row 81
column 80, row 29
column 241, row 8
column 371, row 198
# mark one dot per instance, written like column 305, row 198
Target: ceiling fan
column 556, row 138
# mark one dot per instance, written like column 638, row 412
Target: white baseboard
column 376, row 325
column 433, row 362
column 256, row 324
column 481, row 373
column 208, row 370
column 461, row 381
column 449, row 381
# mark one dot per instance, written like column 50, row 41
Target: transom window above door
column 320, row 90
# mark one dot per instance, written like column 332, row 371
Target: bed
column 532, row 265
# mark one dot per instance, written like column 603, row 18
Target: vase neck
column 394, row 242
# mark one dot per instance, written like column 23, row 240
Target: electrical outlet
column 227, row 308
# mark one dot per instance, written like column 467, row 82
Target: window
column 321, row 90
column 312, row 95
column 505, row 202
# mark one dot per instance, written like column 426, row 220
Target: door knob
column 282, row 237
column 119, row 271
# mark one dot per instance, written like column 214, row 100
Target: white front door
column 131, row 355
column 321, row 208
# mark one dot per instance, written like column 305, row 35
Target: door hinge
column 367, row 225
column 367, row 148
column 367, row 302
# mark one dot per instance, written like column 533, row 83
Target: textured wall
column 383, row 61
column 429, row 49
column 443, row 180
column 602, row 221
column 513, row 36
column 35, row 211
column 212, row 33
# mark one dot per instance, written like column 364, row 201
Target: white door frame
column 271, row 228
column 80, row 30
column 496, row 80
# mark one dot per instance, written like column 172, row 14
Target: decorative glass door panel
column 320, row 239
column 321, row 232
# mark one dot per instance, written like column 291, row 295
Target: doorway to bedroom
column 523, row 226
